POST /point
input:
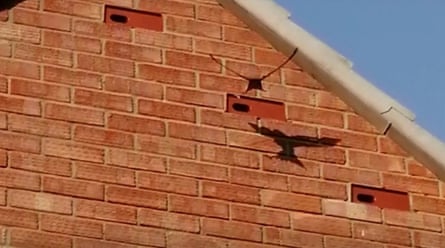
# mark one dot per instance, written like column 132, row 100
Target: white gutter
column 332, row 70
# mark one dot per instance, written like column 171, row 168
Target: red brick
column 106, row 174
column 218, row 15
column 19, row 69
column 318, row 188
column 167, row 220
column 351, row 175
column 194, row 97
column 382, row 234
column 253, row 142
column 244, row 244
column 136, row 160
column 424, row 239
column 168, row 7
column 157, row 39
column 71, row 42
column 166, row 75
column 251, row 70
column 287, row 129
column 243, row 36
column 135, row 235
column 227, row 120
column 30, row 4
column 5, row 47
column 2, row 199
column 192, row 27
column 133, row 87
column 180, row 240
column 273, row 58
column 4, row 15
column 69, row 7
column 376, row 161
column 198, row 206
column 228, row 50
column 18, row 218
column 350, row 210
column 32, row 239
column 198, row 170
column 227, row 156
column 196, row 133
column 20, row 180
column 106, row 65
column 167, row 183
column 321, row 224
column 37, row 126
column 322, row 154
column 410, row 184
column 3, row 85
column 20, row 105
column 132, row 52
column 191, row 61
column 102, row 30
column 428, row 204
column 94, row 243
column 70, row 77
column 291, row 238
column 71, row 187
column 231, row 192
column 73, row 150
column 43, row 55
column 316, row 116
column 40, row 202
column 42, row 19
column 349, row 139
column 70, row 226
column 74, row 114
column 41, row 164
column 258, row 179
column 16, row 142
column 105, row 211
column 286, row 94
column 222, row 84
column 290, row 201
column 412, row 220
column 136, row 197
column 164, row 146
column 167, row 110
column 122, row 3
column 276, row 164
column 358, row 123
column 39, row 90
column 103, row 137
column 3, row 158
column 260, row 216
column 136, row 124
column 417, row 169
column 335, row 242
column 388, row 146
column 234, row 230
column 330, row 101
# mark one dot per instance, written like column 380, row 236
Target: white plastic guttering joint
column 334, row 71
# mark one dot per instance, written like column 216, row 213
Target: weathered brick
column 94, row 243
column 2, row 199
column 40, row 202
column 138, row 161
column 102, row 30
column 71, row 150
column 191, row 61
column 253, row 142
column 222, row 83
column 228, row 156
column 180, row 240
column 132, row 52
column 70, row 77
column 3, row 85
column 74, row 114
column 226, row 120
column 192, row 27
column 316, row 116
column 106, row 65
column 243, row 36
column 38, row 126
column 167, row 110
column 321, row 224
column 410, row 184
column 198, row 206
column 196, row 133
column 70, row 226
column 103, row 137
column 280, row 165
column 20, row 105
column 194, row 97
column 236, row 230
column 286, row 237
column 318, row 187
column 168, row 183
column 218, row 15
column 42, row 19
column 412, row 220
column 166, row 75
column 351, row 175
column 135, row 235
column 198, row 170
column 19, row 33
column 165, row 146
column 336, row 242
column 428, row 204
column 258, row 179
column 426, row 239
column 273, row 58
column 9, row 67
column 162, row 219
column 18, row 218
column 168, row 7
column 71, row 187
column 17, row 142
column 381, row 233
column 350, row 210
column 290, row 201
column 417, row 169
column 136, row 124
column 3, row 158
column 229, row 50
column 32, row 239
column 71, row 42
column 388, row 146
column 358, row 123
column 40, row 90
column 5, row 48
column 285, row 94
column 349, row 139
column 20, row 180
column 134, row 87
column 105, row 211
column 260, row 216
column 376, row 161
column 229, row 192
column 82, row 9
column 153, row 38
column 137, row 197
column 43, row 55
column 251, row 70
column 106, row 174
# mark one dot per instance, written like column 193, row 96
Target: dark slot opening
column 241, row 107
column 365, row 198
column 119, row 18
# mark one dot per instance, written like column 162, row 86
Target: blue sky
column 397, row 45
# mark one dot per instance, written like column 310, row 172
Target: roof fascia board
column 272, row 22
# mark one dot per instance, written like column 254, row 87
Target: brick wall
column 112, row 136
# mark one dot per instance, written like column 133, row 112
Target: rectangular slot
column 133, row 18
column 256, row 107
column 380, row 197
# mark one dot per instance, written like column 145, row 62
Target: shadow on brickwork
column 289, row 143
column 8, row 4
